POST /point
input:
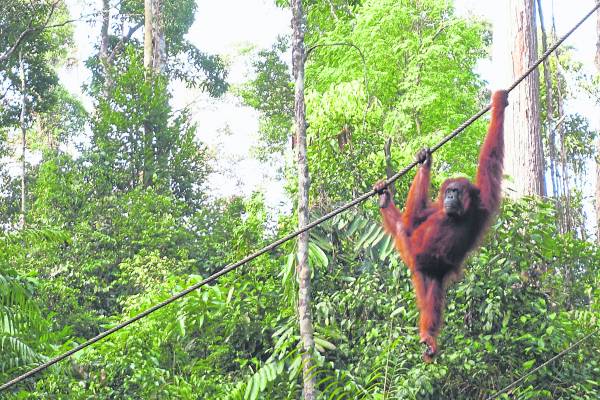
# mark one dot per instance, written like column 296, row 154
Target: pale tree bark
column 549, row 104
column 524, row 161
column 598, row 139
column 104, row 30
column 554, row 161
column 104, row 55
column 23, row 140
column 155, row 50
column 563, row 180
column 566, row 217
column 155, row 57
column 148, row 34
column 147, row 151
column 304, row 303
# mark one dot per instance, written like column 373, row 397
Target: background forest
column 109, row 208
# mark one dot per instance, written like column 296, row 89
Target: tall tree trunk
column 566, row 211
column 159, row 54
column 563, row 210
column 104, row 30
column 104, row 54
column 23, row 140
column 549, row 104
column 597, row 60
column 147, row 151
column 154, row 62
column 562, row 171
column 304, row 312
column 155, row 50
column 524, row 156
column 148, row 34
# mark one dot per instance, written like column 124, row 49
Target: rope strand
column 562, row 353
column 279, row 242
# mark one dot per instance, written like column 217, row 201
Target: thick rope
column 279, row 242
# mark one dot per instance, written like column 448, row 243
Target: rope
column 562, row 353
column 279, row 242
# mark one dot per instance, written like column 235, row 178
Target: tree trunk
column 598, row 139
column 549, row 105
column 148, row 34
column 304, row 312
column 23, row 140
column 524, row 161
column 104, row 54
column 155, row 50
column 554, row 161
column 562, row 171
column 154, row 62
column 147, row 151
column 159, row 46
column 104, row 30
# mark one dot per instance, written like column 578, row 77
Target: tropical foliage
column 102, row 244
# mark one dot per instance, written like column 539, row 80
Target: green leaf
column 528, row 364
column 249, row 389
column 397, row 311
column 318, row 255
column 368, row 234
column 355, row 225
column 324, row 343
column 255, row 387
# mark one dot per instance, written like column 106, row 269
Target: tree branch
column 14, row 47
column 31, row 29
column 124, row 40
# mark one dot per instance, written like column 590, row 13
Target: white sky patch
column 228, row 127
column 76, row 74
column 225, row 24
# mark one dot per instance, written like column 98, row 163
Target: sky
column 225, row 27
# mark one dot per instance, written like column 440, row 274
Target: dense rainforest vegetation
column 115, row 214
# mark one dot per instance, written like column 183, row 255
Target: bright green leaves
column 136, row 134
column 25, row 335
